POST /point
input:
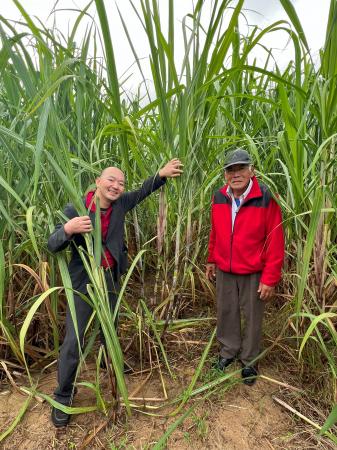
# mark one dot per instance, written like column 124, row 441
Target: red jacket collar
column 90, row 202
column 255, row 191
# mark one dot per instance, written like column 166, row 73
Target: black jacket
column 115, row 237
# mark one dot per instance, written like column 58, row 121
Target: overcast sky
column 312, row 13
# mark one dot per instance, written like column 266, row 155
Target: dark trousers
column 69, row 352
column 235, row 292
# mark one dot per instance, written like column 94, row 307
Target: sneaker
column 249, row 374
column 59, row 418
column 222, row 363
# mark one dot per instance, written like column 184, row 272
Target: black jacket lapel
column 114, row 219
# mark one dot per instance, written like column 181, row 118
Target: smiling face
column 110, row 186
column 238, row 176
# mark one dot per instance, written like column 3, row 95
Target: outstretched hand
column 171, row 169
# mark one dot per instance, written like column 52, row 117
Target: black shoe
column 249, row 375
column 222, row 363
column 59, row 418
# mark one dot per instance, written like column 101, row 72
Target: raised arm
column 170, row 170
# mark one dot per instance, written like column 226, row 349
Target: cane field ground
column 64, row 115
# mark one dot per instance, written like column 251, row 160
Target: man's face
column 110, row 185
column 238, row 176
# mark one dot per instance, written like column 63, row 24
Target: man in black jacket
column 114, row 204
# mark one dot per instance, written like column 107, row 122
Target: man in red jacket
column 246, row 251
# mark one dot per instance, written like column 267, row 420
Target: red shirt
column 107, row 260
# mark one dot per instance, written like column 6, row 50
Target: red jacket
column 256, row 242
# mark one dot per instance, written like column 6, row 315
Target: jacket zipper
column 230, row 257
column 232, row 235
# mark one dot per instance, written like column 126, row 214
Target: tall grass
column 64, row 118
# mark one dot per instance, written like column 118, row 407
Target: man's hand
column 266, row 292
column 171, row 169
column 210, row 271
column 81, row 224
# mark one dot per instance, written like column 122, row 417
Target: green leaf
column 330, row 421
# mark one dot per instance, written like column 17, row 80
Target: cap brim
column 238, row 162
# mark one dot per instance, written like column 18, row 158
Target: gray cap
column 238, row 156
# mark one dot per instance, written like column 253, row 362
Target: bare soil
column 240, row 417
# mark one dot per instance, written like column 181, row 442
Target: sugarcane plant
column 64, row 116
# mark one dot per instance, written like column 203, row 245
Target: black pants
column 69, row 352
